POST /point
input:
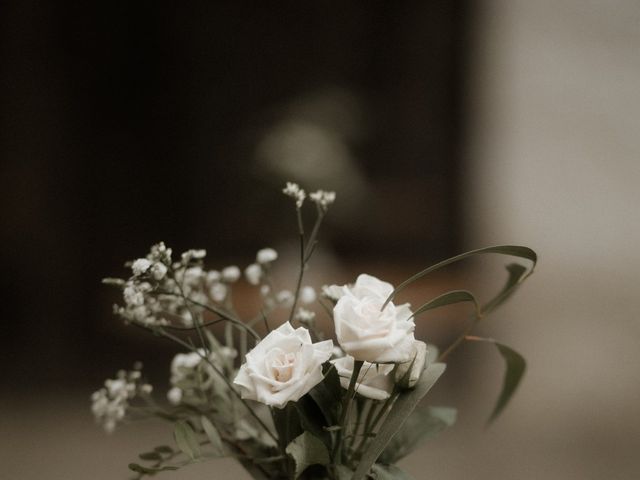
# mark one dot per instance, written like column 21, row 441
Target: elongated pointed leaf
column 449, row 298
column 404, row 405
column 212, row 434
column 513, row 250
column 515, row 368
column 422, row 424
column 516, row 277
column 150, row 470
column 186, row 440
column 307, row 450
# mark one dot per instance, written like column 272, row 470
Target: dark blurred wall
column 123, row 123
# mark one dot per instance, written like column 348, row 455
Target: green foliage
column 327, row 395
column 307, row 450
column 513, row 250
column 422, row 424
column 455, row 296
column 186, row 440
column 404, row 405
column 212, row 434
column 150, row 470
column 515, row 368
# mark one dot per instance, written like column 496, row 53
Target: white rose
column 408, row 378
column 367, row 332
column 283, row 366
column 373, row 380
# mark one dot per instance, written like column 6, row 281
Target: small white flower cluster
column 294, row 191
column 110, row 403
column 323, row 198
column 255, row 272
column 194, row 380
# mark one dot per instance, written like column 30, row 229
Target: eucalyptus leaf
column 186, row 439
column 307, row 450
column 212, row 434
column 515, row 368
column 513, row 250
column 449, row 298
column 164, row 449
column 388, row 472
column 150, row 456
column 150, row 470
column 422, row 424
column 516, row 277
column 402, row 408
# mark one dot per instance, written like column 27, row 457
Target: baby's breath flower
column 285, row 298
column 323, row 198
column 110, row 403
column 304, row 316
column 231, row 274
column 332, row 292
column 158, row 270
column 218, row 292
column 307, row 295
column 193, row 255
column 213, row 276
column 266, row 255
column 174, row 395
column 265, row 290
column 140, row 266
column 253, row 273
column 294, row 191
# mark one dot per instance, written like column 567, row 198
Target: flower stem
column 337, row 448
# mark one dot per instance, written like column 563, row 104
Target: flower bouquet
column 282, row 399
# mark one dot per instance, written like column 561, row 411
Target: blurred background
column 442, row 126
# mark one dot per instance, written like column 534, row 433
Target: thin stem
column 357, row 366
column 305, row 254
column 458, row 341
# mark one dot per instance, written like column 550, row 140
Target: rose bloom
column 373, row 381
column 365, row 330
column 283, row 366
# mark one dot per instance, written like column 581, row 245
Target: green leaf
column 388, row 472
column 150, row 470
column 212, row 434
column 287, row 423
column 155, row 456
column 516, row 366
column 307, row 450
column 186, row 439
column 422, row 424
column 513, row 250
column 404, row 405
column 164, row 449
column 312, row 419
column 454, row 296
column 516, row 277
column 327, row 395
